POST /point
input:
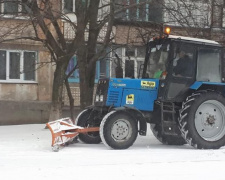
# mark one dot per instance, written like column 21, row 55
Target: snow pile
column 25, row 153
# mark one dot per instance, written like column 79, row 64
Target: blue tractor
column 181, row 95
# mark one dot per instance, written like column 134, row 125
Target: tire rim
column 121, row 130
column 210, row 120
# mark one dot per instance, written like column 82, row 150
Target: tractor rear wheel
column 166, row 139
column 202, row 120
column 83, row 120
column 118, row 130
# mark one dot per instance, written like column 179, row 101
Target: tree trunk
column 59, row 76
column 87, row 81
column 70, row 99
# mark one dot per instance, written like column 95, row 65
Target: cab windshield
column 157, row 61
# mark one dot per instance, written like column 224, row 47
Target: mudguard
column 199, row 84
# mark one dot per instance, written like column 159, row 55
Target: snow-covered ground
column 25, row 153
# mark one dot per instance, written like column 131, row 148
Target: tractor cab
column 179, row 62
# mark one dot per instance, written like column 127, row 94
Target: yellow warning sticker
column 130, row 99
column 148, row 84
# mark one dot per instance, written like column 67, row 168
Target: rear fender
column 138, row 115
column 200, row 85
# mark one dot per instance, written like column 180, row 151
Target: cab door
column 177, row 83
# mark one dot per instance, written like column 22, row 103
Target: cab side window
column 183, row 65
column 208, row 65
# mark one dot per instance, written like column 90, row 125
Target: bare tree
column 46, row 18
column 202, row 19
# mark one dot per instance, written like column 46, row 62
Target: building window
column 72, row 63
column 10, row 7
column 149, row 11
column 29, row 66
column 131, row 60
column 68, row 6
column 14, row 7
column 155, row 11
column 102, row 70
column 14, row 65
column 17, row 66
column 223, row 18
column 218, row 16
column 2, row 65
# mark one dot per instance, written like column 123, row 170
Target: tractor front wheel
column 202, row 120
column 118, row 130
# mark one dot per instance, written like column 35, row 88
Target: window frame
column 21, row 79
column 128, row 13
column 74, row 79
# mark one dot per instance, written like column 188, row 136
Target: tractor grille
column 113, row 97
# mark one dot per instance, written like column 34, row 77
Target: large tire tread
column 166, row 139
column 186, row 118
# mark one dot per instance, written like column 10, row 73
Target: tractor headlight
column 97, row 98
column 101, row 98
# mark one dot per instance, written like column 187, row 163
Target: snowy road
column 25, row 153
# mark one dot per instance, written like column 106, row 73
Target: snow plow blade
column 64, row 131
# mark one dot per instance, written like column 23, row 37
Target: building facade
column 25, row 76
